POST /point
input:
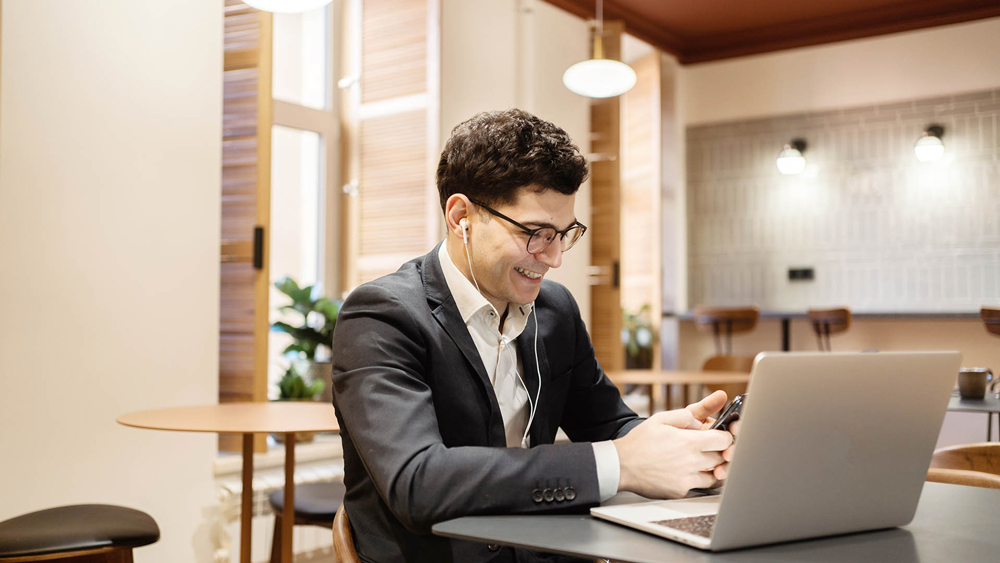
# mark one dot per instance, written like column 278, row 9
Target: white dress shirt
column 504, row 368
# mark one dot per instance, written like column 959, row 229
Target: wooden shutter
column 391, row 212
column 605, row 249
column 640, row 192
column 246, row 179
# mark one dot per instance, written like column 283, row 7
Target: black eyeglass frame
column 532, row 232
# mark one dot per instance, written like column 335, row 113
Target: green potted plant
column 310, row 352
column 293, row 387
column 637, row 338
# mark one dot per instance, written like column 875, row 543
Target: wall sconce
column 286, row 6
column 929, row 146
column 790, row 160
column 599, row 77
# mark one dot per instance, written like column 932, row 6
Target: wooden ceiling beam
column 882, row 20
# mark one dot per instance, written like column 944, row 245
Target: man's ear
column 456, row 209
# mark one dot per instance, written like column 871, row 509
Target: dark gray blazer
column 422, row 431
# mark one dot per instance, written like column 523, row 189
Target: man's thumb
column 680, row 418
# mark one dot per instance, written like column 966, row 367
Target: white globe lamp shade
column 599, row 78
column 928, row 148
column 791, row 161
column 287, row 6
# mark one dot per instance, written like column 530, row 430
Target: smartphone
column 731, row 414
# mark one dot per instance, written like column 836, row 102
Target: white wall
column 109, row 245
column 900, row 66
column 904, row 66
column 512, row 53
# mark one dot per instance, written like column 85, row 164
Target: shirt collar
column 468, row 299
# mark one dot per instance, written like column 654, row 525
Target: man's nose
column 552, row 255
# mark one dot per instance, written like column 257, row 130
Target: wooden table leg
column 289, row 512
column 246, row 502
column 655, row 398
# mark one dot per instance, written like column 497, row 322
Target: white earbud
column 465, row 241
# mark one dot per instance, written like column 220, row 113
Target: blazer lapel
column 446, row 312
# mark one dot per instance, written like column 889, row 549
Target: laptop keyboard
column 697, row 525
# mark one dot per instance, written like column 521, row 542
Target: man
column 452, row 375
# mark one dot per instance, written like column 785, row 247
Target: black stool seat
column 76, row 528
column 313, row 501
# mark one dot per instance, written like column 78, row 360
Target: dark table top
column 952, row 523
column 989, row 404
column 885, row 315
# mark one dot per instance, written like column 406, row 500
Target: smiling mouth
column 528, row 274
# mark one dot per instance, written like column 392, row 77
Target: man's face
column 506, row 272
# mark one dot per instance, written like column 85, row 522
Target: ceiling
column 706, row 30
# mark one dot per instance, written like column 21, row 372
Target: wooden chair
column 829, row 321
column 984, row 457
column 724, row 322
column 728, row 363
column 83, row 533
column 343, row 541
column 974, row 465
column 991, row 318
column 316, row 504
column 963, row 477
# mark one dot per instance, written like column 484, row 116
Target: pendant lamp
column 286, row 6
column 599, row 77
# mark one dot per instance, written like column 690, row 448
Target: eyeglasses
column 539, row 239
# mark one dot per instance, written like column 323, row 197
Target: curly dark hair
column 494, row 153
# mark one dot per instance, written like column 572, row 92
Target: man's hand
column 701, row 412
column 722, row 471
column 668, row 454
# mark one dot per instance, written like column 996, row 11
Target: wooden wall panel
column 390, row 132
column 393, row 49
column 246, row 166
column 641, row 177
column 605, row 253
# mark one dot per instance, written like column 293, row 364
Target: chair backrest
column 991, row 317
column 724, row 322
column 829, row 321
column 963, row 477
column 728, row 363
column 343, row 541
column 983, row 457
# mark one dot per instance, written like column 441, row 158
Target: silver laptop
column 831, row 443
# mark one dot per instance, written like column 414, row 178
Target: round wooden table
column 248, row 419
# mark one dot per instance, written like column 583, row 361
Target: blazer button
column 549, row 496
column 570, row 493
column 537, row 496
column 559, row 494
column 493, row 547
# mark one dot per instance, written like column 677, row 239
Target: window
column 304, row 153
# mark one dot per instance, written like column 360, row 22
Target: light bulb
column 929, row 147
column 599, row 78
column 286, row 6
column 791, row 161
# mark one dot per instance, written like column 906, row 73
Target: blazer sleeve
column 385, row 405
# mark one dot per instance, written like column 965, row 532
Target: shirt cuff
column 608, row 468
